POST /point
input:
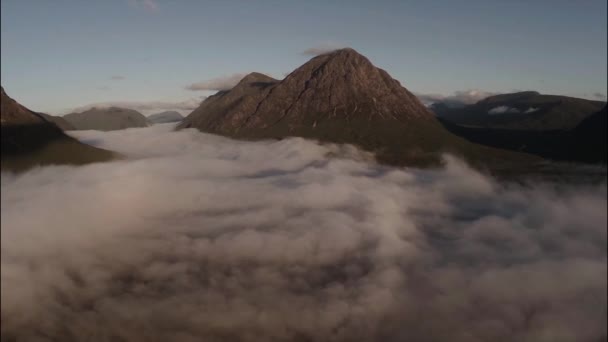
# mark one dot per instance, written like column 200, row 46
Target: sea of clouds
column 195, row 237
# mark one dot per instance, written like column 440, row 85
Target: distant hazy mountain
column 336, row 97
column 584, row 143
column 28, row 139
column 522, row 111
column 106, row 119
column 165, row 117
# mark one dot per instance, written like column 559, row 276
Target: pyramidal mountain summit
column 338, row 97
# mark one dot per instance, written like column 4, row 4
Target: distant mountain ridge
column 584, row 143
column 106, row 119
column 527, row 110
column 165, row 117
column 338, row 97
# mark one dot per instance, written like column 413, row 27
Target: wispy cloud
column 600, row 96
column 147, row 5
column 503, row 110
column 321, row 49
column 511, row 110
column 218, row 83
column 117, row 78
column 459, row 97
column 147, row 107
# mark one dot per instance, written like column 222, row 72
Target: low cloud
column 458, row 98
column 530, row 110
column 217, row 84
column 147, row 107
column 198, row 237
column 117, row 78
column 510, row 110
column 321, row 49
column 503, row 110
column 147, row 5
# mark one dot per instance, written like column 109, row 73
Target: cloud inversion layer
column 197, row 237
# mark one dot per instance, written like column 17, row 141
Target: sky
column 160, row 54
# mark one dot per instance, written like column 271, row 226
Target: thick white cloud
column 218, row 83
column 459, row 97
column 198, row 237
column 147, row 107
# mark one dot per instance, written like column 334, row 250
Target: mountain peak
column 256, row 77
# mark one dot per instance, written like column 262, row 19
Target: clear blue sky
column 62, row 54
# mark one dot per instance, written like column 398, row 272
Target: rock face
column 522, row 111
column 337, row 97
column 165, row 117
column 106, row 119
column 28, row 139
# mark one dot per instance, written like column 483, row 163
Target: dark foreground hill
column 527, row 110
column 59, row 122
column 28, row 139
column 585, row 143
column 338, row 97
column 107, row 119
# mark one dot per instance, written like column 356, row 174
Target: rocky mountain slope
column 338, row 97
column 59, row 121
column 28, row 140
column 107, row 119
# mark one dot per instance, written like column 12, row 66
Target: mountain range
column 106, row 119
column 341, row 97
column 338, row 97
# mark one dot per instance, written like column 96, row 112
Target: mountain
column 527, row 110
column 164, row 117
column 29, row 139
column 59, row 121
column 107, row 119
column 338, row 97
column 586, row 142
